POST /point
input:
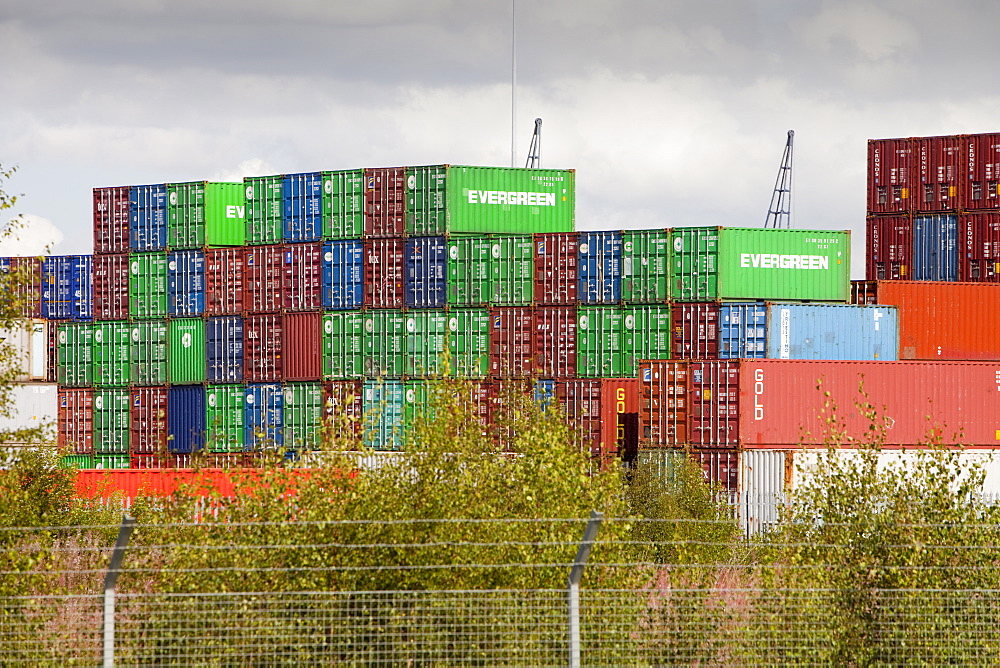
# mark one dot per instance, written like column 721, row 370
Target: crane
column 535, row 150
column 779, row 214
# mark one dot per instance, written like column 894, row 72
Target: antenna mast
column 779, row 214
column 535, row 150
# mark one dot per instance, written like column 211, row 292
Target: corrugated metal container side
column 224, row 349
column 28, row 272
column 603, row 346
column 384, row 403
column 186, row 283
column 224, row 418
column 599, row 267
column 663, row 403
column 738, row 264
column 343, row 408
column 471, row 268
column 646, row 266
column 832, row 332
column 27, row 345
column 186, row 418
column 34, row 405
column 619, row 417
column 719, row 467
column 514, row 277
column 263, row 289
column 979, row 253
column 111, row 287
column 512, row 342
column 765, row 475
column 696, row 331
column 555, row 341
column 147, row 285
column 186, row 351
column 446, row 199
column 425, row 342
column 343, row 274
column 262, row 421
column 385, row 273
column 302, row 284
column 302, row 346
column 597, row 411
column 385, row 344
column 941, row 164
column 202, row 213
column 892, row 169
column 148, row 218
column 385, row 202
column 469, row 342
column 67, row 287
column 52, row 375
column 302, row 196
column 76, row 354
column 112, row 353
column 84, row 462
column 111, row 462
column 225, row 281
column 344, row 204
column 556, row 276
column 742, row 331
column 426, row 274
column 149, row 352
column 649, row 330
column 935, row 248
column 148, row 420
column 111, row 219
column 262, row 348
column 982, row 173
column 75, row 424
column 264, row 209
column 344, row 342
column 890, row 247
column 111, row 421
column 301, row 417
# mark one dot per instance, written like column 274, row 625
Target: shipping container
column 890, row 247
column 224, row 349
column 302, row 346
column 935, row 248
column 75, row 424
column 224, row 418
column 28, row 278
column 383, row 409
column 186, row 418
column 343, row 275
column 385, row 273
column 696, row 331
column 264, row 209
column 263, row 279
column 385, row 202
column 26, row 348
column 148, row 420
column 426, row 272
column 186, row 283
column 941, row 164
column 111, row 462
column 385, row 344
column 32, row 406
column 603, row 344
column 513, row 280
column 603, row 413
column 262, row 348
column 649, row 332
column 555, row 341
column 147, row 285
column 302, row 282
column 225, row 270
column 981, row 175
column 744, row 403
column 425, row 342
column 469, row 342
column 979, row 246
column 739, row 264
column 186, row 351
column 301, row 418
column 263, row 429
column 76, row 354
column 599, row 267
column 149, row 352
column 764, row 477
column 83, row 462
column 203, row 213
column 302, row 207
column 112, row 353
column 111, row 421
column 53, row 339
column 453, row 199
column 343, row 411
column 111, row 220
column 67, row 287
column 344, row 204
column 646, row 266
column 742, row 331
column 556, row 277
column 512, row 342
column 892, row 170
column 832, row 332
column 148, row 218
column 111, row 287
column 471, row 270
column 344, row 343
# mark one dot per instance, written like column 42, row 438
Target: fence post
column 575, row 575
column 110, row 580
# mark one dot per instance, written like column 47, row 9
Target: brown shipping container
column 602, row 412
column 720, row 467
column 892, row 172
column 30, row 291
column 981, row 175
column 303, row 282
column 343, row 407
column 555, row 269
column 979, row 252
column 225, row 281
column 554, row 342
column 511, row 342
column 111, row 220
column 111, row 287
column 786, row 403
column 696, row 330
column 262, row 348
column 941, row 163
column 890, row 247
column 301, row 346
column 263, row 279
column 75, row 419
column 385, row 202
column 148, row 420
column 939, row 320
column 385, row 273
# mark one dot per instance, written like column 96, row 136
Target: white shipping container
column 33, row 405
column 30, row 346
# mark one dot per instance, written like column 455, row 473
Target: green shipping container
column 203, row 213
column 415, row 401
column 111, row 422
column 344, row 204
column 731, row 263
column 344, row 342
column 469, row 342
column 147, row 285
column 385, row 344
column 149, row 352
column 454, row 199
column 75, row 354
column 224, row 416
column 111, row 461
column 514, row 274
column 601, row 342
column 186, row 351
column 425, row 339
column 652, row 338
column 302, row 410
column 112, row 353
column 383, row 402
column 264, row 205
column 491, row 270
column 77, row 461
column 646, row 266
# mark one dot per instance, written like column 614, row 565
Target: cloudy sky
column 673, row 113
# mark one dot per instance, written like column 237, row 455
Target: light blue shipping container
column 148, row 217
column 599, row 263
column 302, row 207
column 935, row 247
column 186, row 283
column 832, row 332
column 743, row 330
column 67, row 287
column 343, row 275
column 383, row 403
column 224, row 349
column 262, row 420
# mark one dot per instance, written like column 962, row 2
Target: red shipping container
column 31, row 290
column 263, row 279
column 689, row 403
column 890, row 247
column 556, row 268
column 555, row 342
column 75, row 419
column 696, row 331
column 385, row 273
column 511, row 342
column 52, row 373
column 111, row 287
column 302, row 277
column 720, row 467
column 941, row 165
column 262, row 348
column 774, row 404
column 892, row 172
column 301, row 346
column 111, row 220
column 385, row 202
column 225, row 281
column 343, row 406
column 599, row 410
column 981, row 175
column 979, row 252
column 148, row 420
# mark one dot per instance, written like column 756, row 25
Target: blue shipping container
column 600, row 267
column 186, row 283
column 262, row 421
column 67, row 287
column 148, row 217
column 186, row 418
column 742, row 331
column 383, row 410
column 302, row 207
column 224, row 349
column 935, row 248
column 343, row 274
column 426, row 281
column 832, row 332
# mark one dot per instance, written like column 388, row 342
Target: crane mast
column 779, row 213
column 535, row 150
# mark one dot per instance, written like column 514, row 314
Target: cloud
column 29, row 236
